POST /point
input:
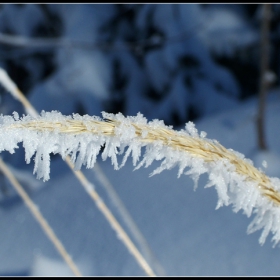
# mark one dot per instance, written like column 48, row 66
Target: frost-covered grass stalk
column 235, row 178
column 11, row 87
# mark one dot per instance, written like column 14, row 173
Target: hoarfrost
column 203, row 134
column 127, row 138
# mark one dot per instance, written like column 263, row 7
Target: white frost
column 232, row 188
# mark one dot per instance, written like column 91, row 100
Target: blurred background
column 174, row 62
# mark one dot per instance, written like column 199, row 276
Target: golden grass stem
column 39, row 218
column 89, row 187
column 128, row 219
column 112, row 220
column 209, row 151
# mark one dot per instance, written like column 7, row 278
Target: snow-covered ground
column 185, row 232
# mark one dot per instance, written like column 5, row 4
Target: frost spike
column 236, row 180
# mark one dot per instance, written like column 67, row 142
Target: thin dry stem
column 89, row 187
column 128, row 219
column 207, row 150
column 112, row 220
column 39, row 218
column 264, row 68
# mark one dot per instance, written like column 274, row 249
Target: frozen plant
column 235, row 178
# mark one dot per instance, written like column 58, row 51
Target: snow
column 43, row 266
column 184, row 231
column 226, row 30
column 26, row 18
column 242, row 194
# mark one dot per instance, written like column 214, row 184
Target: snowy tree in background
column 174, row 62
column 233, row 39
column 163, row 68
column 125, row 58
column 170, row 62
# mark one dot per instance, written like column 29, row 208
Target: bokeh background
column 173, row 62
